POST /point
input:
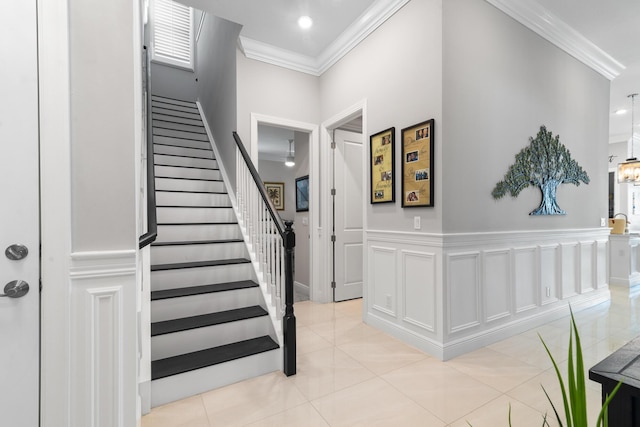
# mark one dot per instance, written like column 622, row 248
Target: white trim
column 535, row 17
column 314, row 163
column 322, row 170
column 367, row 23
column 55, row 197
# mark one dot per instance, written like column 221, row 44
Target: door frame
column 322, row 152
column 315, row 290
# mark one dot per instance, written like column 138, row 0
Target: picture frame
column 302, row 194
column 275, row 191
column 417, row 165
column 382, row 166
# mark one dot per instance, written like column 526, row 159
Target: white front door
column 348, row 217
column 19, row 216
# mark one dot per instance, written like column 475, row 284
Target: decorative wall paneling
column 102, row 326
column 449, row 294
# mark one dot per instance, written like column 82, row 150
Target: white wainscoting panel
column 382, row 275
column 419, row 289
column 103, row 354
column 459, row 292
column 549, row 271
column 587, row 266
column 463, row 290
column 496, row 289
column 569, row 255
column 525, row 278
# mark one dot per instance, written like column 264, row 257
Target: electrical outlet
column 416, row 223
column 603, row 222
column 548, row 291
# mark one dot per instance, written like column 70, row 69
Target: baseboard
column 144, row 391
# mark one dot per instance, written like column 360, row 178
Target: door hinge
column 333, row 237
column 333, row 285
column 333, row 191
column 333, row 145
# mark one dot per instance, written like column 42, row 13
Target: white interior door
column 348, row 220
column 19, row 216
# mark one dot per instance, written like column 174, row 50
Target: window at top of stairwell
column 172, row 33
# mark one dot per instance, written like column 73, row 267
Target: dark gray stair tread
column 189, row 101
column 181, row 146
column 194, row 206
column 186, row 167
column 189, row 179
column 196, row 242
column 209, row 319
column 192, row 191
column 212, row 356
column 201, row 290
column 196, row 264
column 199, row 223
column 183, row 156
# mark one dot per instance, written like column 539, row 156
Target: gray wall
column 216, row 74
column 398, row 70
column 173, row 82
column 303, row 232
column 276, row 171
column 102, row 126
column 501, row 82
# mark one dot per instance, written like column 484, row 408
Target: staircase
column 209, row 322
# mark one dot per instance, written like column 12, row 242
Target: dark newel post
column 289, row 320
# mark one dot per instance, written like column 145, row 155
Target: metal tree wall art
column 545, row 163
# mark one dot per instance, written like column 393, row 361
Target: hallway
column 352, row 374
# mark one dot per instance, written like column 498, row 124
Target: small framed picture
column 302, row 194
column 417, row 165
column 382, row 166
column 275, row 191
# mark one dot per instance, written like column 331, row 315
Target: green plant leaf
column 555, row 411
column 604, row 412
column 562, row 388
column 580, row 411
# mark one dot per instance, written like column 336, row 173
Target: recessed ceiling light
column 620, row 111
column 305, row 22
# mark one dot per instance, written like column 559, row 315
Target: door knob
column 15, row 289
column 16, row 252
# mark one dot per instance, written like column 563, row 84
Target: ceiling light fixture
column 305, row 22
column 620, row 111
column 629, row 171
column 290, row 161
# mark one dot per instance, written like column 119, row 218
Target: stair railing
column 152, row 220
column 272, row 242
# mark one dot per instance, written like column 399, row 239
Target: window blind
column 172, row 32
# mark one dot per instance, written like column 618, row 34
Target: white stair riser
column 171, row 124
column 181, row 142
column 190, row 383
column 197, row 252
column 183, row 120
column 156, row 109
column 168, row 345
column 177, row 172
column 189, row 185
column 191, row 215
column 185, row 161
column 158, row 103
column 186, row 277
column 192, row 199
column 175, row 308
column 180, row 134
column 159, row 98
column 179, row 233
column 182, row 151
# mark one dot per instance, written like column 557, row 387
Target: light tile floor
column 350, row 374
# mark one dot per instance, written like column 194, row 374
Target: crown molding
column 377, row 14
column 533, row 16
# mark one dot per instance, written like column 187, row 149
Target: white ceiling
column 612, row 25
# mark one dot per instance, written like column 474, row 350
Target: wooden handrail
column 152, row 219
